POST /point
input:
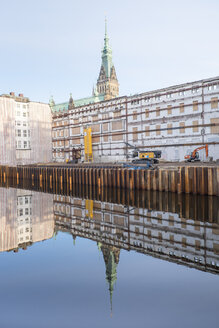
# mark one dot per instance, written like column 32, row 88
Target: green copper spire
column 107, row 54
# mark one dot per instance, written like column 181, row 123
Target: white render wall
column 37, row 123
column 150, row 121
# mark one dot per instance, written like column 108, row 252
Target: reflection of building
column 25, row 128
column 25, row 217
column 111, row 259
column 163, row 234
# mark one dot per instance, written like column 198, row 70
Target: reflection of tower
column 111, row 259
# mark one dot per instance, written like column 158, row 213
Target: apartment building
column 25, row 128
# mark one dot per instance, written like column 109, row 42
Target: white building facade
column 25, row 129
column 175, row 120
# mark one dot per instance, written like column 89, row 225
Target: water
column 108, row 259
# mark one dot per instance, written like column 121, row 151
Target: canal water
column 108, row 259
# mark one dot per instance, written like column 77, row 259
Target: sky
column 53, row 47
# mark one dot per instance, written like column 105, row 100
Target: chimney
column 21, row 95
column 12, row 94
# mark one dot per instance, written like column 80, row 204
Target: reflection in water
column 175, row 228
column 25, row 217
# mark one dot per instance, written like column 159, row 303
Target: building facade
column 25, row 128
column 175, row 120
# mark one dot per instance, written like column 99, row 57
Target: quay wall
column 190, row 180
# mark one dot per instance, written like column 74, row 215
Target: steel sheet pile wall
column 190, row 180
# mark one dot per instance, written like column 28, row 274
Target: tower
column 107, row 83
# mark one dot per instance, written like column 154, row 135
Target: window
column 169, row 95
column 157, row 130
column 147, row 112
column 157, row 97
column 25, row 133
column 26, row 211
column 21, row 212
column 28, row 144
column 147, row 131
column 169, row 128
column 169, row 110
column 135, row 134
column 215, row 129
column 19, row 133
column 182, row 127
column 158, row 111
column 24, row 114
column 214, row 103
column 181, row 108
column 182, row 93
column 195, row 127
column 195, row 105
column 135, row 116
column 195, row 90
column 18, row 123
column 212, row 87
column 19, row 143
column 24, row 124
column 26, row 200
column 25, row 144
column 183, row 242
column 28, row 133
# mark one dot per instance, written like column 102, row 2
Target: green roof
column 79, row 102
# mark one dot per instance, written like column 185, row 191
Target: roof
column 79, row 102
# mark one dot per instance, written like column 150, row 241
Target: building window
column 19, row 144
column 147, row 131
column 24, row 114
column 195, row 127
column 157, row 130
column 169, row 128
column 182, row 93
column 169, row 110
column 135, row 134
column 214, row 103
column 135, row 116
column 169, row 95
column 26, row 211
column 181, row 108
column 195, row 90
column 195, row 105
column 157, row 97
column 158, row 111
column 147, row 112
column 19, row 133
column 182, row 127
column 212, row 87
column 25, row 133
column 215, row 129
column 25, row 144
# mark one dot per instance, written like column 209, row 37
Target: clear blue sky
column 53, row 47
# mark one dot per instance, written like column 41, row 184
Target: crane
column 194, row 156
